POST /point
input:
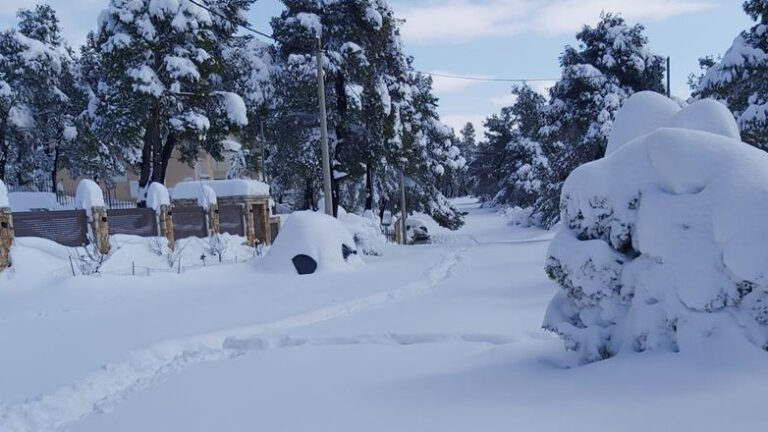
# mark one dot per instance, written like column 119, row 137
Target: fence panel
column 136, row 221
column 231, row 220
column 66, row 227
column 189, row 222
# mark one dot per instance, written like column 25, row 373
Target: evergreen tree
column 740, row 78
column 611, row 63
column 35, row 73
column 161, row 87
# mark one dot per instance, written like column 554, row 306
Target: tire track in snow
column 110, row 384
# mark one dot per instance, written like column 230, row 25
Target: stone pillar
column 6, row 237
column 100, row 228
column 261, row 220
column 250, row 225
column 213, row 219
column 165, row 222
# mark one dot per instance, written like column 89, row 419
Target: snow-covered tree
column 35, row 119
column 611, row 63
column 160, row 89
column 740, row 78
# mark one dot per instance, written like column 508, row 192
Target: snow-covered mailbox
column 6, row 228
column 237, row 207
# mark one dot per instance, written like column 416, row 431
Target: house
column 126, row 187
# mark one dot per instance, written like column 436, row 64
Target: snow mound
column 157, row 196
column 365, row 231
column 4, row 202
column 316, row 235
column 222, row 188
column 663, row 243
column 88, row 195
column 200, row 191
column 647, row 111
column 642, row 113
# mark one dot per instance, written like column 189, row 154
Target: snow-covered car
column 417, row 231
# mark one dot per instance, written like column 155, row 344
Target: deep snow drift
column 663, row 244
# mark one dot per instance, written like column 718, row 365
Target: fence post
column 250, row 226
column 6, row 237
column 100, row 227
column 213, row 219
column 165, row 219
column 261, row 217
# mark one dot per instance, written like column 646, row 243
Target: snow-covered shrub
column 159, row 246
column 663, row 240
column 89, row 260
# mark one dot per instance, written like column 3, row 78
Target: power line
column 245, row 25
column 476, row 78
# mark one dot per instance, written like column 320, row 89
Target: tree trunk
column 55, row 167
column 309, row 195
column 3, row 146
column 368, row 187
column 164, row 157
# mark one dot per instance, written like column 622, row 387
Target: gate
column 231, row 220
column 133, row 221
column 66, row 227
column 189, row 222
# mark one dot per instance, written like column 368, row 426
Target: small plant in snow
column 159, row 246
column 89, row 260
column 217, row 246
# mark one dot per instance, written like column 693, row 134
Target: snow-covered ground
column 443, row 337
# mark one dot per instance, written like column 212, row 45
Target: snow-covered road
column 443, row 337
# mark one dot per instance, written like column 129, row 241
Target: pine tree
column 740, row 78
column 35, row 71
column 161, row 86
column 611, row 63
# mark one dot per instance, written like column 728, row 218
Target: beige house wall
column 206, row 167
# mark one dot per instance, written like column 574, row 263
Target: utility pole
column 403, row 210
column 669, row 77
column 262, row 144
column 324, row 131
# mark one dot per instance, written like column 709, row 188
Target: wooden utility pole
column 403, row 210
column 262, row 144
column 669, row 76
column 324, row 131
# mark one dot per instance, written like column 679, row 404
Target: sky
column 520, row 39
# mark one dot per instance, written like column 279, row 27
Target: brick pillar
column 6, row 237
column 213, row 219
column 250, row 225
column 261, row 219
column 165, row 222
column 100, row 228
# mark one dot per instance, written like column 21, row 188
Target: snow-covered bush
column 663, row 240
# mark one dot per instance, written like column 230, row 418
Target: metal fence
column 133, row 221
column 67, row 227
column 231, row 220
column 189, row 222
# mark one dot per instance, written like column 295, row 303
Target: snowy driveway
column 432, row 338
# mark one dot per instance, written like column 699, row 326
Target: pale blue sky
column 500, row 38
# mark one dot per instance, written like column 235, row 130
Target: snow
column 641, row 114
column 235, row 107
column 4, row 203
column 88, row 195
column 161, row 8
column 365, row 231
column 222, row 188
column 157, row 196
column 27, row 201
column 309, row 21
column 662, row 244
column 437, row 337
column 70, row 133
column 316, row 235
